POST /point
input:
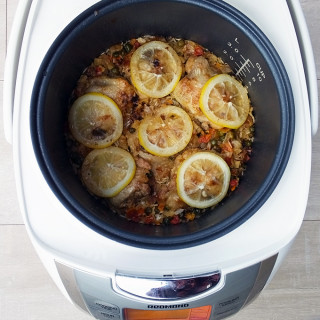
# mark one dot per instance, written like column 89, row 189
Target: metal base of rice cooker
column 209, row 268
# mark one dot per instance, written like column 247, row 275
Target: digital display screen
column 200, row 313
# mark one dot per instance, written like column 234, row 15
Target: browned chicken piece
column 217, row 64
column 135, row 190
column 161, row 169
column 122, row 142
column 160, row 166
column 164, row 174
column 188, row 90
column 198, row 67
column 118, row 89
column 158, row 186
column 173, row 200
column 132, row 138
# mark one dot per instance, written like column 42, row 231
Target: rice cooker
column 209, row 268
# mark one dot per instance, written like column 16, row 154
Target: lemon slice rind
column 196, row 160
column 229, row 105
column 88, row 117
column 143, row 76
column 106, row 172
column 160, row 122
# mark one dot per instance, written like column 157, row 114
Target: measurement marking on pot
column 244, row 67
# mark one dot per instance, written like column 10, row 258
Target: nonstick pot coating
column 218, row 27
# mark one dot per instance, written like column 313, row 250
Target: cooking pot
column 215, row 25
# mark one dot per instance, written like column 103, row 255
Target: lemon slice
column 95, row 120
column 155, row 69
column 167, row 132
column 105, row 172
column 224, row 101
column 203, row 180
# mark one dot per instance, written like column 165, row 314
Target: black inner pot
column 218, row 27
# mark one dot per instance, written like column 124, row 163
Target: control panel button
column 104, row 306
column 104, row 310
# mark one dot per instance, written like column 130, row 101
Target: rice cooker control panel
column 211, row 296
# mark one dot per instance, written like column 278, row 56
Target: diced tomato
column 198, row 51
column 228, row 160
column 233, row 184
column 149, row 219
column 136, row 44
column 227, row 146
column 99, row 70
column 207, row 137
column 175, row 220
column 161, row 206
column 135, row 214
column 246, row 157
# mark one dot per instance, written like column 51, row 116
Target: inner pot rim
column 233, row 16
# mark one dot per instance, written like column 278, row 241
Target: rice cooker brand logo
column 167, row 306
